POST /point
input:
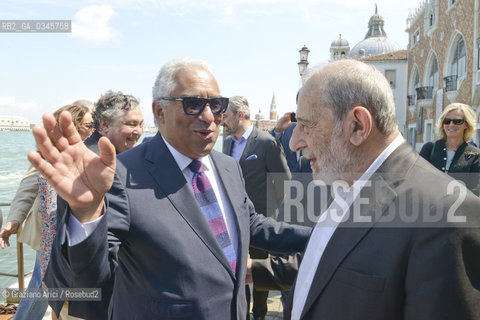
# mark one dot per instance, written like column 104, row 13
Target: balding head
column 344, row 84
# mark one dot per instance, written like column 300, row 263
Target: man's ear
column 104, row 125
column 240, row 114
column 158, row 112
column 360, row 124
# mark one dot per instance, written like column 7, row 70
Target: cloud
column 92, row 24
column 9, row 105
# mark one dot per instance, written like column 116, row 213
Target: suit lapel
column 227, row 146
column 165, row 171
column 347, row 236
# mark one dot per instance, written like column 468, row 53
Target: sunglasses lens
column 447, row 121
column 193, row 105
column 218, row 105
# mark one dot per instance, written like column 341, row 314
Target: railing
column 450, row 83
column 424, row 93
column 20, row 266
column 411, row 100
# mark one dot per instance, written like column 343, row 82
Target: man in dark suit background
column 400, row 239
column 264, row 170
column 283, row 131
column 176, row 244
column 118, row 117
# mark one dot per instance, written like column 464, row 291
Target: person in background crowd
column 283, row 131
column 452, row 153
column 264, row 170
column 118, row 117
column 30, row 204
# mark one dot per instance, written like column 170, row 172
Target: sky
column 252, row 46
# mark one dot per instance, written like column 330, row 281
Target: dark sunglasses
column 195, row 105
column 457, row 122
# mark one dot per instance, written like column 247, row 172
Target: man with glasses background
column 118, row 117
column 175, row 225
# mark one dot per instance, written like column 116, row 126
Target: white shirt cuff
column 80, row 231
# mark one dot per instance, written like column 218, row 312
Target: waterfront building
column 14, row 123
column 443, row 64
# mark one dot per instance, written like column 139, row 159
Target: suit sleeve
column 93, row 261
column 277, row 166
column 271, row 235
column 24, row 197
column 275, row 272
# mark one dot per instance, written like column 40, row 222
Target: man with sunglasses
column 175, row 225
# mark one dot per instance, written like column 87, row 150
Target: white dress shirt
column 326, row 226
column 80, row 231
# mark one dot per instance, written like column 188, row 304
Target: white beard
column 336, row 160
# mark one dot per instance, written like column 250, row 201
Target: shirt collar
column 183, row 161
column 245, row 135
column 354, row 190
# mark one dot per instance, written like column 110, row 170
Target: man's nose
column 207, row 114
column 297, row 141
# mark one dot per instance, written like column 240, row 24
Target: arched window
column 416, row 82
column 433, row 76
column 458, row 65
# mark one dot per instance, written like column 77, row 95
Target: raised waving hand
column 77, row 174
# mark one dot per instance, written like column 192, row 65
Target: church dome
column 340, row 42
column 376, row 41
column 259, row 115
column 373, row 46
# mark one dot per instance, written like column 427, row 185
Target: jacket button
column 444, row 158
column 443, row 168
column 444, row 149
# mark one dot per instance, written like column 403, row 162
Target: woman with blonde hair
column 35, row 203
column 452, row 152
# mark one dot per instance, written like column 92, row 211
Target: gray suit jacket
column 155, row 239
column 400, row 269
column 264, row 169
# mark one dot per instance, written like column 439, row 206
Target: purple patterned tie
column 208, row 203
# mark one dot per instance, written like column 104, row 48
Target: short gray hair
column 87, row 103
column 166, row 82
column 113, row 105
column 239, row 103
column 355, row 83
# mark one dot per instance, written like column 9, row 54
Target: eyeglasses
column 457, row 122
column 88, row 126
column 195, row 105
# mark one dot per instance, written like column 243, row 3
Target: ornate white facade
column 14, row 123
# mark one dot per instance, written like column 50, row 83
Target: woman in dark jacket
column 452, row 153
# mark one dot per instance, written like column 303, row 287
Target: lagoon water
column 14, row 147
